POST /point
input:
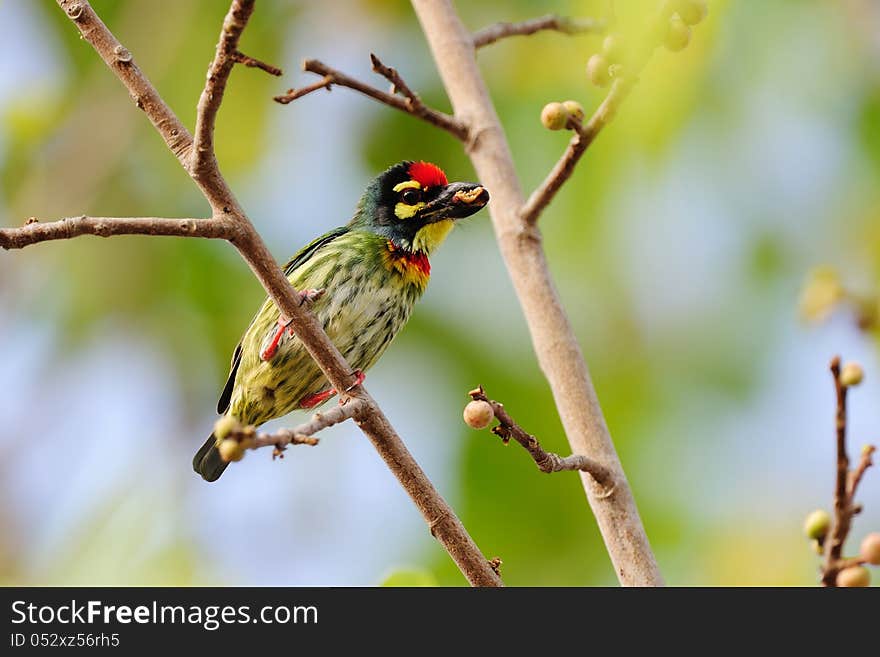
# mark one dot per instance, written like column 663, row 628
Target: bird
column 361, row 281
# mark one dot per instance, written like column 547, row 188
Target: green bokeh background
column 679, row 247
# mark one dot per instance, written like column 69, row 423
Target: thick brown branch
column 212, row 95
column 443, row 522
column 408, row 103
column 546, row 461
column 63, row 229
column 564, row 24
column 584, row 135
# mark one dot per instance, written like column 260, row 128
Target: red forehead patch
column 427, row 174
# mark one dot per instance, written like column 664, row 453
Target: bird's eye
column 411, row 196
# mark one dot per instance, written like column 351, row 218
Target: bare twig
column 556, row 346
column 584, row 135
column 35, row 231
column 564, row 24
column 292, row 94
column 846, row 484
column 546, row 461
column 409, row 103
column 304, row 433
column 241, row 58
column 238, row 229
column 225, row 58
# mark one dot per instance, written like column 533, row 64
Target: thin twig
column 408, row 103
column 292, row 94
column 855, row 477
column 240, row 58
column 842, row 514
column 303, row 434
column 439, row 516
column 69, row 227
column 546, row 461
column 218, row 74
column 564, row 24
column 398, row 85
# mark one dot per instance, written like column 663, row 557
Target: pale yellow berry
column 575, row 110
column 231, row 450
column 678, row 35
column 478, row 414
column 612, row 48
column 851, row 374
column 554, row 116
column 224, row 426
column 692, row 11
column 853, row 577
column 816, row 524
column 870, row 549
column 597, row 70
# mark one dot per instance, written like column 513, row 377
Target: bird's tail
column 207, row 461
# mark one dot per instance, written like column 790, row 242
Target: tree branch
column 408, row 103
column 63, row 229
column 302, row 434
column 846, row 484
column 502, row 30
column 547, row 462
column 443, row 522
column 555, row 343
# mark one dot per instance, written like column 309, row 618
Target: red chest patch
column 427, row 174
column 414, row 263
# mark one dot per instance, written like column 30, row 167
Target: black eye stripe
column 411, row 196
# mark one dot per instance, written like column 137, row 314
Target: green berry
column 575, row 110
column 597, row 70
column 224, row 426
column 554, row 116
column 854, row 577
column 231, row 450
column 478, row 414
column 692, row 11
column 678, row 35
column 612, row 48
column 851, row 374
column 870, row 549
column 817, row 524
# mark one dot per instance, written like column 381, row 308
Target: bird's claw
column 310, row 296
column 359, row 379
column 272, row 348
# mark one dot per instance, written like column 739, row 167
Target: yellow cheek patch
column 430, row 236
column 404, row 211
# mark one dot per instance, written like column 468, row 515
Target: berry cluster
column 671, row 28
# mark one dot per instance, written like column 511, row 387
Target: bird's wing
column 302, row 256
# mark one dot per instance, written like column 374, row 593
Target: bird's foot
column 310, row 401
column 359, row 379
column 310, row 296
column 272, row 348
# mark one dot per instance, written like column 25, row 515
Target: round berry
column 231, row 450
column 854, row 576
column 597, row 70
column 678, row 35
column 817, row 523
column 851, row 374
column 225, row 426
column 478, row 414
column 870, row 549
column 575, row 110
column 554, row 116
column 612, row 48
column 692, row 11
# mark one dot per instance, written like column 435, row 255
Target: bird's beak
column 456, row 201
